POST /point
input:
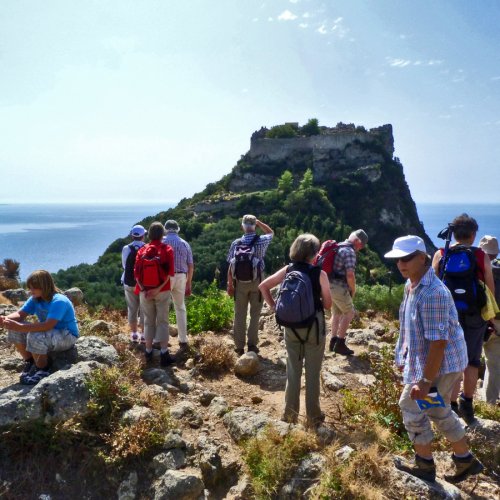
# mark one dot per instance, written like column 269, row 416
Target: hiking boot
column 148, row 356
column 183, row 346
column 419, row 467
column 38, row 375
column 465, row 467
column 239, row 352
column 333, row 341
column 29, row 368
column 454, row 407
column 166, row 359
column 466, row 410
column 341, row 348
column 253, row 348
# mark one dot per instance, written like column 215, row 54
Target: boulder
column 331, row 381
column 128, row 488
column 16, row 295
column 136, row 413
column 85, row 349
column 178, row 485
column 169, row 460
column 75, row 295
column 206, row 397
column 174, row 440
column 186, row 412
column 210, row 462
column 218, row 406
column 100, row 326
column 60, row 396
column 304, row 477
column 244, row 422
column 247, row 365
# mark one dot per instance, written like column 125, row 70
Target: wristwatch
column 425, row 380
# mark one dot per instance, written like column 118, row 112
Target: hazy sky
column 150, row 100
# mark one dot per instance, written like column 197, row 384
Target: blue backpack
column 295, row 307
column 458, row 268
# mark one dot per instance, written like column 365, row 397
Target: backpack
column 295, row 306
column 326, row 257
column 149, row 270
column 459, row 272
column 495, row 267
column 128, row 276
column 244, row 263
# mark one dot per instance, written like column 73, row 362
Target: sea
column 57, row 236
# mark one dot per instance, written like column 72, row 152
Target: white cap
column 406, row 245
column 137, row 231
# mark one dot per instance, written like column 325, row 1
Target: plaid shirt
column 260, row 246
column 183, row 256
column 427, row 314
column 345, row 259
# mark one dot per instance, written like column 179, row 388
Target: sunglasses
column 407, row 258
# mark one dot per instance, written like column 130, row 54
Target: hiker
column 245, row 272
column 304, row 345
column 432, row 355
column 55, row 330
column 181, row 283
column 154, row 267
column 134, row 313
column 464, row 229
column 343, row 289
column 489, row 245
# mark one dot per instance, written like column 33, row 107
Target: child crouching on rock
column 56, row 329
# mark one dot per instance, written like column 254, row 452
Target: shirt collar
column 427, row 278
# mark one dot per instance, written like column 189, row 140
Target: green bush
column 380, row 298
column 212, row 310
column 310, row 128
column 281, row 132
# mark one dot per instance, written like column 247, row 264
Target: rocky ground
column 214, row 413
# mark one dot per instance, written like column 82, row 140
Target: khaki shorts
column 341, row 299
column 43, row 342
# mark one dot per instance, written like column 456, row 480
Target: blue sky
column 150, row 100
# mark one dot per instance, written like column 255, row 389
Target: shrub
column 212, row 310
column 380, row 298
column 281, row 132
column 271, row 457
column 216, row 357
column 310, row 128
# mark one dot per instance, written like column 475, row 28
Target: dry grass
column 215, row 356
column 4, row 300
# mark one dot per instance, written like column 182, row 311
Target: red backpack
column 148, row 269
column 326, row 256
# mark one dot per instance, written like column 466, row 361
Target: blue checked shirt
column 345, row 259
column 260, row 246
column 428, row 313
column 183, row 256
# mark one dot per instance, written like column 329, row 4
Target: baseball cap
column 249, row 220
column 362, row 236
column 406, row 245
column 137, row 231
column 489, row 244
column 171, row 225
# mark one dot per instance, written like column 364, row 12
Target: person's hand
column 151, row 294
column 187, row 292
column 11, row 324
column 230, row 289
column 420, row 390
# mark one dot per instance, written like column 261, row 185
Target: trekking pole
column 445, row 234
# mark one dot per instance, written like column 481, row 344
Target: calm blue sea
column 436, row 217
column 54, row 237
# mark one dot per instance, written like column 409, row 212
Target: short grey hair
column 304, row 248
column 156, row 231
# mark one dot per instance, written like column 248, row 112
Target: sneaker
column 239, row 352
column 253, row 348
column 341, row 348
column 466, row 410
column 465, row 467
column 148, row 356
column 333, row 341
column 166, row 359
column 418, row 467
column 28, row 365
column 134, row 337
column 39, row 374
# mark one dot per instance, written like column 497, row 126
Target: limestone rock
column 218, row 406
column 16, row 295
column 361, row 336
column 210, row 462
column 174, row 440
column 100, row 326
column 344, row 453
column 186, row 412
column 128, row 488
column 304, row 477
column 75, row 295
column 247, row 365
column 331, row 382
column 179, row 486
column 136, row 413
column 207, row 397
column 169, row 460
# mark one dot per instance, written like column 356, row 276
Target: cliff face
column 356, row 167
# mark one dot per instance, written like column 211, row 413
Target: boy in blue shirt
column 56, row 329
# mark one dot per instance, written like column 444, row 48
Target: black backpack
column 244, row 262
column 128, row 277
column 458, row 271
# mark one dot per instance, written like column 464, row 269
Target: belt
column 180, row 272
